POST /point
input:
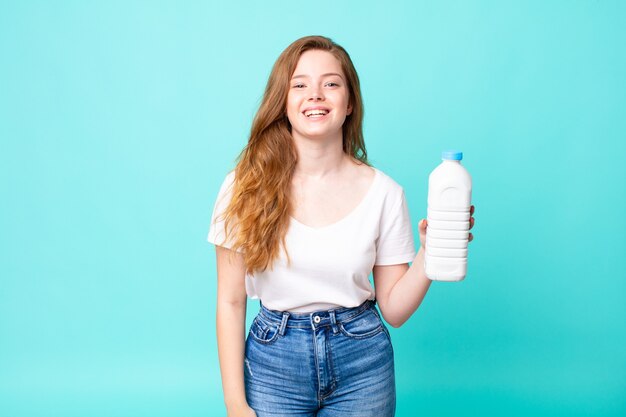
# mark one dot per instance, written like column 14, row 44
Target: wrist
column 236, row 404
column 419, row 264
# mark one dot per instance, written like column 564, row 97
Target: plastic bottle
column 447, row 234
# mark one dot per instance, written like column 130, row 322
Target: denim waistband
column 316, row 318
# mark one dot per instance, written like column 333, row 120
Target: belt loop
column 333, row 321
column 283, row 323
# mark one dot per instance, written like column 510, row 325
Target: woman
column 300, row 224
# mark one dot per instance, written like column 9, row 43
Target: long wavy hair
column 260, row 205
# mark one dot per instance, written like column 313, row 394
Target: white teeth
column 316, row 113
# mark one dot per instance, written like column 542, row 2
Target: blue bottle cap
column 453, row 155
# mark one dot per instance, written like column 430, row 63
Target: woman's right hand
column 243, row 410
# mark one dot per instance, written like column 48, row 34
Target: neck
column 320, row 158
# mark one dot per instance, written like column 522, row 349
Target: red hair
column 260, row 206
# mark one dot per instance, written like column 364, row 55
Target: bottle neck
column 452, row 161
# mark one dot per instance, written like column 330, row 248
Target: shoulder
column 226, row 188
column 388, row 186
column 227, row 183
column 230, row 177
column 384, row 183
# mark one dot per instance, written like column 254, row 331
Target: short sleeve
column 217, row 234
column 395, row 242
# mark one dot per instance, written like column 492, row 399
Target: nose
column 316, row 94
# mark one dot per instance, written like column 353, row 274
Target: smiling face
column 318, row 98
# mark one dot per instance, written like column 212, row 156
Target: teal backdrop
column 120, row 119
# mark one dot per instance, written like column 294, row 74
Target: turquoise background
column 119, row 120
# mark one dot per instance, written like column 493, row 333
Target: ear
column 349, row 112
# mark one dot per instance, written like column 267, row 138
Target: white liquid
column 449, row 201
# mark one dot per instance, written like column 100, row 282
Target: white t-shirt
column 330, row 265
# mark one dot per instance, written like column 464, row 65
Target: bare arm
column 231, row 323
column 400, row 289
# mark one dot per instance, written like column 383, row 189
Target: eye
column 298, row 86
column 332, row 84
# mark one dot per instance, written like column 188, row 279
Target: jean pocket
column 264, row 332
column 366, row 324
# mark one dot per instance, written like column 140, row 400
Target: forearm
column 231, row 319
column 407, row 294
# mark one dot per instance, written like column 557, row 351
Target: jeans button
column 317, row 319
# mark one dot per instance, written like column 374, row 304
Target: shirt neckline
column 362, row 203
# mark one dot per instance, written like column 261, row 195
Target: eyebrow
column 323, row 75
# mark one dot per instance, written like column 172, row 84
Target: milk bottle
column 449, row 201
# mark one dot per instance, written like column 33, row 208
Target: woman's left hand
column 423, row 224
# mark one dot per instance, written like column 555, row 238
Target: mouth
column 315, row 114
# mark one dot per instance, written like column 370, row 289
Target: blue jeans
column 325, row 364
